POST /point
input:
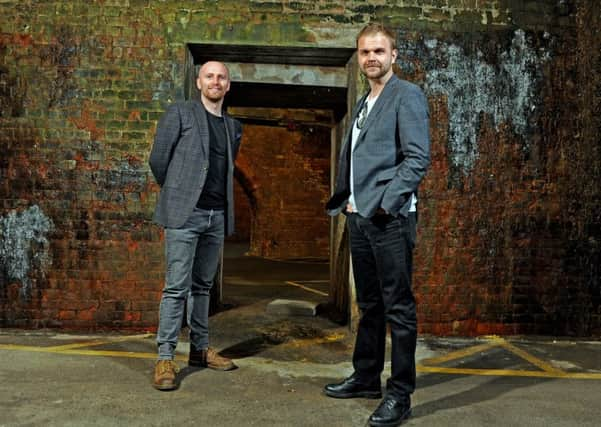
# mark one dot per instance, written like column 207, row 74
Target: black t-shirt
column 213, row 194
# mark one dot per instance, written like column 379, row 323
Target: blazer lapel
column 387, row 92
column 200, row 115
column 349, row 129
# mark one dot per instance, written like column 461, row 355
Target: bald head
column 214, row 65
column 213, row 81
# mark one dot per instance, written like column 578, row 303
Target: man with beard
column 192, row 160
column 384, row 157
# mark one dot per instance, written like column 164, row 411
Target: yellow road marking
column 460, row 353
column 306, row 342
column 108, row 353
column 99, row 342
column 25, row 348
column 582, row 376
column 532, row 359
column 496, row 342
column 306, row 288
column 508, row 373
column 548, row 371
column 116, row 353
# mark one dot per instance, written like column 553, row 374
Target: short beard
column 213, row 98
column 380, row 74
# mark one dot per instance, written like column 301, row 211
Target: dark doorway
column 290, row 101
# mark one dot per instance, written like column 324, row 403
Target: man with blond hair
column 192, row 160
column 385, row 155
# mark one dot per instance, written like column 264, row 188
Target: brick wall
column 509, row 224
column 291, row 173
column 509, row 238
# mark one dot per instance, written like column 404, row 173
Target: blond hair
column 373, row 29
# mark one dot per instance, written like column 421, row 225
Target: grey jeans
column 192, row 252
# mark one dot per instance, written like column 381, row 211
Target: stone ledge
column 292, row 307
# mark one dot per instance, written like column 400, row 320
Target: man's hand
column 350, row 208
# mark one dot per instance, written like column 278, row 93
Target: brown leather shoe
column 210, row 359
column 164, row 375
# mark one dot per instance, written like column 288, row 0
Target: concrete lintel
column 304, row 75
column 299, row 115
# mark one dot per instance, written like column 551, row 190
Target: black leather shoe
column 391, row 412
column 352, row 387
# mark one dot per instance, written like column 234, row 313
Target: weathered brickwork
column 290, row 169
column 510, row 232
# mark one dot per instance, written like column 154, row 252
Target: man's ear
column 198, row 83
column 395, row 54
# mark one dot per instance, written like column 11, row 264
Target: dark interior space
column 281, row 245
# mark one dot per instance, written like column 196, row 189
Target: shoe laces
column 167, row 366
column 389, row 403
column 212, row 354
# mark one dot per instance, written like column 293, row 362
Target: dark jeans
column 382, row 254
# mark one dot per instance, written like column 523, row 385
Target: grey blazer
column 179, row 161
column 391, row 155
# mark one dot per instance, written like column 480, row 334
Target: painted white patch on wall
column 506, row 92
column 24, row 245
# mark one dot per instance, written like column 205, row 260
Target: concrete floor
column 52, row 379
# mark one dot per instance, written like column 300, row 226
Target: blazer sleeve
column 165, row 140
column 413, row 134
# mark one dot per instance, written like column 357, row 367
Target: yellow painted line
column 115, row 353
column 532, row 359
column 24, row 348
column 313, row 341
column 315, row 281
column 77, row 345
column 332, row 338
column 99, row 342
column 582, row 375
column 483, row 372
column 109, row 353
column 507, row 373
column 495, row 341
column 105, row 353
column 458, row 354
column 548, row 371
column 306, row 288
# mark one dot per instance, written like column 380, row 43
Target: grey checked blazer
column 391, row 155
column 179, row 161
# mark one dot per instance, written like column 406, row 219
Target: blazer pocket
column 385, row 176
